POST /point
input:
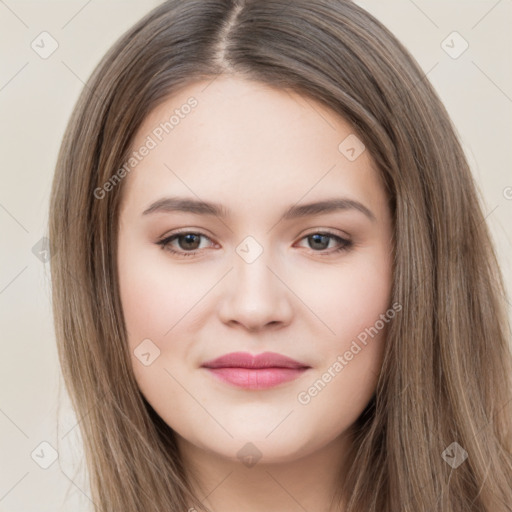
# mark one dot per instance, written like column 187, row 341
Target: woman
column 336, row 336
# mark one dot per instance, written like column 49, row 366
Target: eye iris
column 190, row 238
column 321, row 239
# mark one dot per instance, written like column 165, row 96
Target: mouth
column 262, row 371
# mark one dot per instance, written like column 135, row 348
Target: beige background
column 36, row 99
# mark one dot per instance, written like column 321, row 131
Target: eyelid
column 199, row 231
column 327, row 231
column 184, row 231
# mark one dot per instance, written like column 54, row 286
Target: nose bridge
column 255, row 296
column 252, row 275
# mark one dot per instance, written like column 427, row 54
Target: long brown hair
column 447, row 372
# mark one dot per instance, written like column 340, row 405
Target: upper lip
column 246, row 360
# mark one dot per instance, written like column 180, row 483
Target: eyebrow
column 188, row 205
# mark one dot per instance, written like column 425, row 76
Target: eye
column 189, row 242
column 320, row 240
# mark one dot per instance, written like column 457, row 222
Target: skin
column 257, row 151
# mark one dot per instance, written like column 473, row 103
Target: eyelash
column 345, row 244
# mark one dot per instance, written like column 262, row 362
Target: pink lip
column 255, row 372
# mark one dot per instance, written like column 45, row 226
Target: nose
column 255, row 295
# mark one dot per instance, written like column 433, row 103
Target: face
column 255, row 272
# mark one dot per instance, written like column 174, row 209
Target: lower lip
column 257, row 378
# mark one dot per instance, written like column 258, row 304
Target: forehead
column 246, row 139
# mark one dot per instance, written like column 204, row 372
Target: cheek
column 354, row 307
column 154, row 296
column 164, row 303
column 147, row 306
column 348, row 298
